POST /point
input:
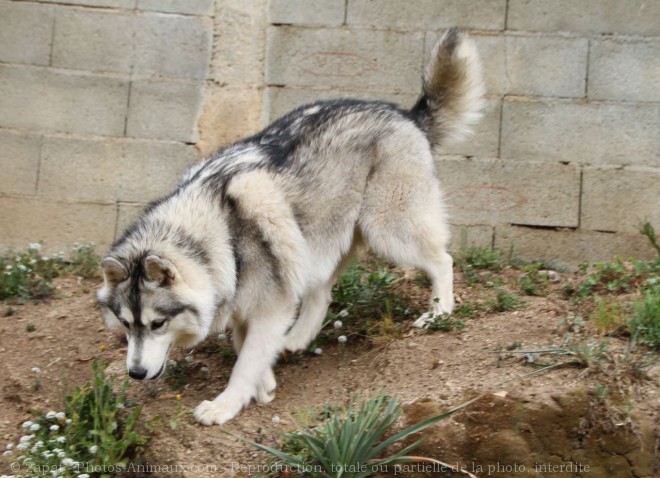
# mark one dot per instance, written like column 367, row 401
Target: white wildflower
column 54, row 428
column 93, row 449
column 68, row 462
column 83, row 475
column 34, row 427
column 51, row 415
column 9, row 446
column 338, row 324
column 45, row 258
column 27, row 424
column 343, row 314
column 61, row 454
column 120, row 405
column 35, row 246
column 36, row 370
column 9, row 267
column 68, row 421
column 60, row 415
column 7, row 453
column 26, row 438
column 276, row 419
column 341, row 339
column 22, row 446
column 318, row 350
column 188, row 358
column 61, row 439
column 22, row 268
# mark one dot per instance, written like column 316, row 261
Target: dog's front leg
column 252, row 374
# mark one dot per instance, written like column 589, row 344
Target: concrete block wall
column 99, row 108
column 106, row 102
column 566, row 161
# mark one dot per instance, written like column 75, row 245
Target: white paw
column 424, row 320
column 218, row 411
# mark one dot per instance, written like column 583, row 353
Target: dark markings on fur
column 191, row 247
column 278, row 143
column 422, row 114
column 232, row 215
column 174, row 308
column 245, row 232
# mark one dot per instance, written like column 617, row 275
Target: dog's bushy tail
column 452, row 90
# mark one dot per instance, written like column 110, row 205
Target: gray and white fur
column 254, row 237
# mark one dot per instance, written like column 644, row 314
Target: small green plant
column 83, row 261
column 97, row 427
column 619, row 277
column 645, row 324
column 483, row 257
column 30, row 327
column 504, row 302
column 477, row 258
column 180, row 412
column 468, row 310
column 533, row 282
column 28, row 275
column 369, row 301
column 350, row 442
column 647, row 230
column 445, row 323
column 609, row 316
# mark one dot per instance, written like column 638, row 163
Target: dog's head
column 150, row 301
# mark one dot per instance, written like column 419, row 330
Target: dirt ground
column 548, row 425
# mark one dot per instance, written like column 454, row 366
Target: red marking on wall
column 485, row 198
column 342, row 64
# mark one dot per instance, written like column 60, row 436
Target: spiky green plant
column 351, row 442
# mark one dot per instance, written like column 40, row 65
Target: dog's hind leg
column 403, row 217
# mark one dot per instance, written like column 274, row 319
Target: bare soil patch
column 557, row 418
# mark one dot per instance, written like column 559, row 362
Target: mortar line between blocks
column 506, row 15
column 41, row 153
column 499, row 131
column 52, row 38
column 345, row 12
column 581, row 193
column 586, row 73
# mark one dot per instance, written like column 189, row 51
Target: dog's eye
column 157, row 324
column 125, row 323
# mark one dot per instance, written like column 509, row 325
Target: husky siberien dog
column 258, row 233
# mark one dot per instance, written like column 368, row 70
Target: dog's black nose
column 138, row 373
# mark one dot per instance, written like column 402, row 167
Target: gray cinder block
column 624, row 70
column 358, row 59
column 26, row 30
column 595, row 133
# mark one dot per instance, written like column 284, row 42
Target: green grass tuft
column 645, row 324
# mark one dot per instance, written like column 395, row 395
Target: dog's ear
column 114, row 271
column 159, row 270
